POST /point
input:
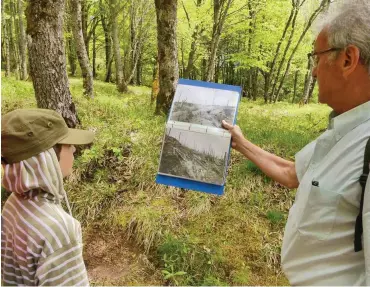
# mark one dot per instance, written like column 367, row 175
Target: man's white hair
column 348, row 23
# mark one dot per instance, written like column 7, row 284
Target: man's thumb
column 226, row 125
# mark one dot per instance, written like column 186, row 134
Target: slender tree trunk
column 324, row 4
column 133, row 39
column 6, row 39
column 22, row 41
column 295, row 85
column 204, row 69
column 139, row 70
column 310, row 93
column 190, row 64
column 269, row 74
column 220, row 9
column 83, row 59
column 71, row 56
column 121, row 85
column 166, row 11
column 94, row 55
column 47, row 58
column 266, row 78
column 84, row 20
column 108, row 49
column 282, row 62
column 182, row 70
column 71, row 48
column 155, row 83
column 13, row 40
column 254, row 83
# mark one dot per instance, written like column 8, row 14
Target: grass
column 191, row 238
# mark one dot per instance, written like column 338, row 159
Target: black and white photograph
column 204, row 106
column 196, row 156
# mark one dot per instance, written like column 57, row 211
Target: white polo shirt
column 318, row 246
column 366, row 235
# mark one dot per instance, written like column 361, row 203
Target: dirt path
column 112, row 260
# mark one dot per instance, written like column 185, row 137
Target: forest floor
column 140, row 233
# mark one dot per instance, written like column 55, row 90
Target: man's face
column 327, row 73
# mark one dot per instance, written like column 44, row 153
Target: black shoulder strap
column 363, row 179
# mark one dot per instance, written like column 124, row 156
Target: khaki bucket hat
column 28, row 132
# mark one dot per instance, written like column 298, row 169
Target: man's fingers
column 226, row 125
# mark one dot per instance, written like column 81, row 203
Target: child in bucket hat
column 41, row 243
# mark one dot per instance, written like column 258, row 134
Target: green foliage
column 186, row 263
column 275, row 216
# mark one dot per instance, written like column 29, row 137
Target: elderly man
column 318, row 245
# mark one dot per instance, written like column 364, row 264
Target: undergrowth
column 193, row 238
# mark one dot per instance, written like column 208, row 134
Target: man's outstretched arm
column 277, row 168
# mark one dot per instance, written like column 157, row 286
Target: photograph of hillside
column 204, row 106
column 194, row 156
column 211, row 115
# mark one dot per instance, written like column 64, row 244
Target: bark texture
column 120, row 82
column 82, row 56
column 166, row 11
column 47, row 58
column 22, row 42
column 220, row 8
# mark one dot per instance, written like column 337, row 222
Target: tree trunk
column 13, row 40
column 307, row 82
column 94, row 55
column 108, row 49
column 254, row 83
column 133, row 38
column 138, row 35
column 282, row 62
column 139, row 70
column 6, row 39
column 295, row 85
column 71, row 48
column 47, row 58
column 324, row 4
column 71, row 56
column 22, row 41
column 166, row 11
column 310, row 93
column 269, row 74
column 83, row 59
column 155, row 83
column 220, row 9
column 84, row 19
column 121, row 85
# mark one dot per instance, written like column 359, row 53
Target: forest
column 112, row 67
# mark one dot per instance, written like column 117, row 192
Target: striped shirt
column 41, row 244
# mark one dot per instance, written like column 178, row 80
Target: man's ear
column 351, row 60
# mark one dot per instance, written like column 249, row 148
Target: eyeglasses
column 314, row 55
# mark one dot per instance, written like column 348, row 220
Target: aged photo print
column 196, row 156
column 204, row 106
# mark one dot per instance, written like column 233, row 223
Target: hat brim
column 77, row 137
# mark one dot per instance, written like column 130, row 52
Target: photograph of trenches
column 204, row 106
column 196, row 156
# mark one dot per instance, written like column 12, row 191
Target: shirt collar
column 344, row 123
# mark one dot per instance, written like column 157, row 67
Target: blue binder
column 191, row 184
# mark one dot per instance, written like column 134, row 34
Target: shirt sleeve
column 65, row 267
column 366, row 231
column 303, row 159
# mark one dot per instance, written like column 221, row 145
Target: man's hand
column 279, row 169
column 236, row 135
